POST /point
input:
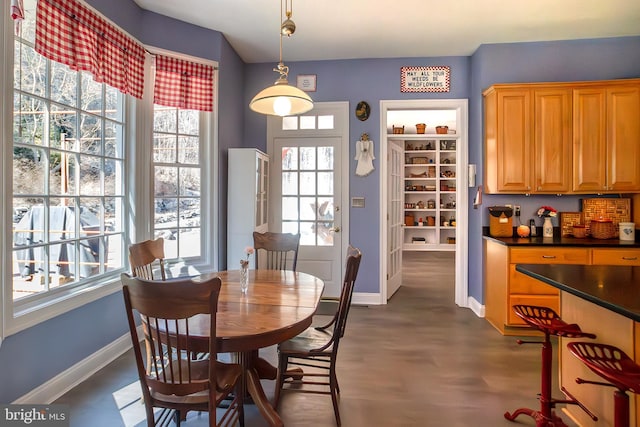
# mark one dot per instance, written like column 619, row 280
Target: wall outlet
column 516, row 210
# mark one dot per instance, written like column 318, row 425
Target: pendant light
column 282, row 99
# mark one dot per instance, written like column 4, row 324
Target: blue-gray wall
column 31, row 357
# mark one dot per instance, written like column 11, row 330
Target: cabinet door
column 623, row 138
column 552, row 140
column 589, row 140
column 508, row 141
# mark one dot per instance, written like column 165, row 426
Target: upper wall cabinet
column 560, row 138
column 528, row 139
column 606, row 138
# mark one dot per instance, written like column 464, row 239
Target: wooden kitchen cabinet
column 508, row 121
column 528, row 139
column 606, row 131
column 505, row 287
column 552, row 142
column 562, row 138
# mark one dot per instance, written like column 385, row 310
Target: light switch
column 357, row 202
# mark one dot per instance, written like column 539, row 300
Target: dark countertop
column 563, row 241
column 616, row 288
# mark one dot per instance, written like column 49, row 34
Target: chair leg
column 283, row 362
column 621, row 409
column 333, row 384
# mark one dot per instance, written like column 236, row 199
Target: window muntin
column 177, row 180
column 68, row 173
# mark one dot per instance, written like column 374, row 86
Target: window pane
column 31, row 77
column 188, row 150
column 112, row 174
column 289, row 158
column 28, row 120
column 90, row 175
column 307, row 234
column 307, row 158
column 290, row 208
column 164, row 119
column 114, row 250
column 307, row 122
column 325, row 183
column 28, row 222
column 307, row 183
column 189, row 212
column 62, row 220
column 63, row 84
column 170, row 242
column 29, row 168
column 164, row 148
column 189, row 242
column 62, row 133
column 113, row 137
column 166, row 212
column 308, row 208
column 91, row 94
column 90, row 134
column 290, row 227
column 325, row 122
column 166, row 181
column 290, row 183
column 113, row 99
column 290, row 123
column 325, row 158
column 189, row 181
column 189, row 122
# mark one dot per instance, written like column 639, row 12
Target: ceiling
column 344, row 29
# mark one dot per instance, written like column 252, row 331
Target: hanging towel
column 364, row 156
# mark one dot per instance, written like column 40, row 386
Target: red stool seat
column 547, row 321
column 616, row 367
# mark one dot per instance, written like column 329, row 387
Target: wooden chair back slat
column 147, row 257
column 279, row 251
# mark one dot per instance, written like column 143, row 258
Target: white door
column 395, row 220
column 309, row 188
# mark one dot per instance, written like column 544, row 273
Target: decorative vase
column 547, row 227
column 244, row 277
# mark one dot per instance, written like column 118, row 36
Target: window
column 68, row 173
column 177, row 180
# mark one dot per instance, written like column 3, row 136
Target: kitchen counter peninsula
column 604, row 300
column 616, row 288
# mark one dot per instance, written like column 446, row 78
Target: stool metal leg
column 621, row 409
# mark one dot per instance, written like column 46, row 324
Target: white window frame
column 139, row 198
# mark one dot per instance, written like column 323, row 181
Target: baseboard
column 476, row 307
column 63, row 382
column 366, row 299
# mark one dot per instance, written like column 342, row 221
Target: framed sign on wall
column 425, row 79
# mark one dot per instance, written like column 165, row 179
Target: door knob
column 336, row 229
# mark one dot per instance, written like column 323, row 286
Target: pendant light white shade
column 281, row 99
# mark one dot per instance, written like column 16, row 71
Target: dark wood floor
column 417, row 361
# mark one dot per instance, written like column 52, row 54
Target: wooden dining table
column 277, row 306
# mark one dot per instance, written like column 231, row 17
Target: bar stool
column 547, row 321
column 616, row 367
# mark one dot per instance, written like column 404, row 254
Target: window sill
column 28, row 315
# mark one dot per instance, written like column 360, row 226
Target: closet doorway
column 424, row 188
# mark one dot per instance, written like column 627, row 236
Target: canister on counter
column 500, row 221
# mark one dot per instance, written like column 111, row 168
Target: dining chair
column 317, row 348
column 146, row 257
column 276, row 250
column 175, row 381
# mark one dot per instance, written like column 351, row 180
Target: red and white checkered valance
column 69, row 33
column 183, row 84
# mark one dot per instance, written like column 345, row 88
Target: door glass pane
column 289, row 158
column 307, row 234
column 325, row 183
column 325, row 158
column 307, row 158
column 307, row 183
column 308, row 208
column 290, row 208
column 290, row 183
